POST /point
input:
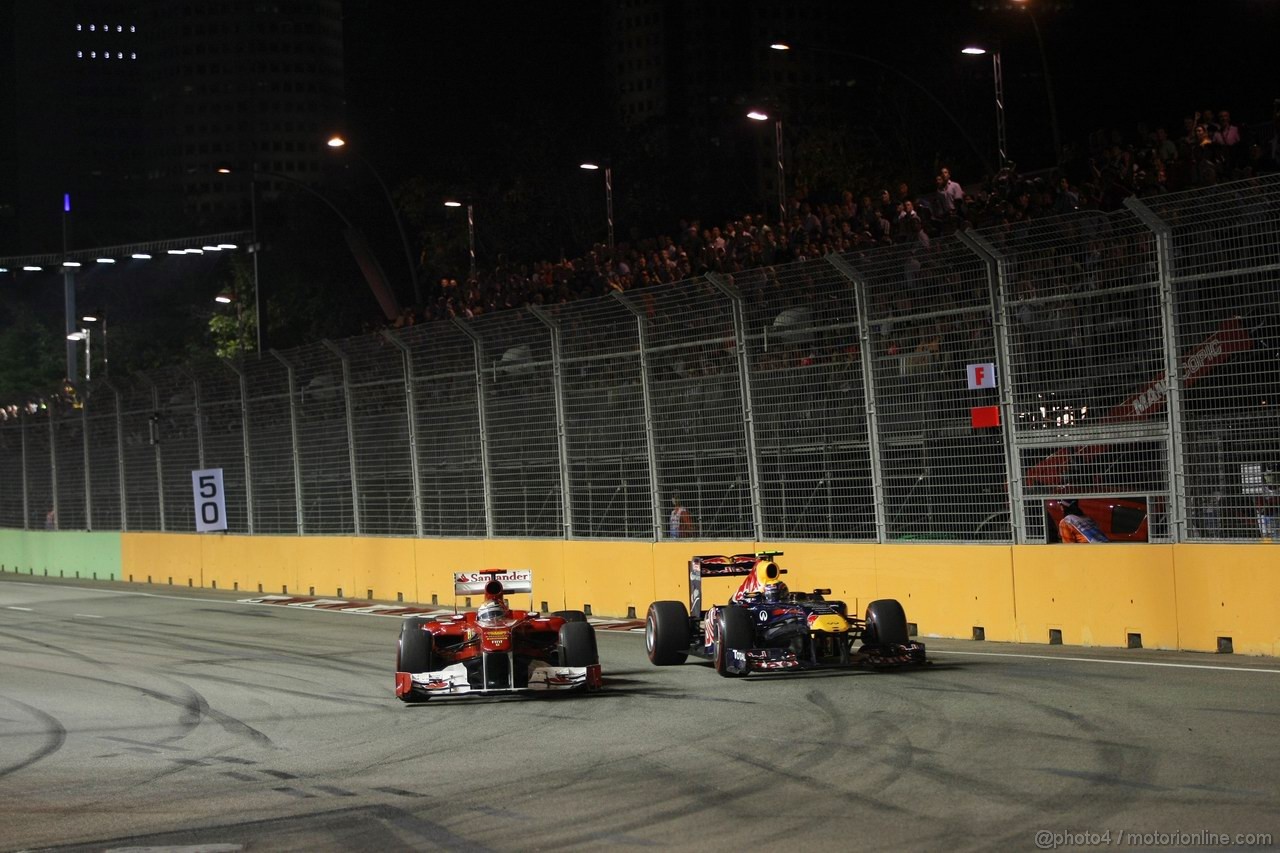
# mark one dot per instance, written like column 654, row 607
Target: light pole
column 608, row 195
column 1048, row 84
column 337, row 142
column 997, row 71
column 84, row 335
column 757, row 115
column 783, row 46
column 471, row 232
column 95, row 317
column 356, row 241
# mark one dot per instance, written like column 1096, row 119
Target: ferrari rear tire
column 886, row 624
column 578, row 644
column 666, row 633
column 736, row 633
column 570, row 615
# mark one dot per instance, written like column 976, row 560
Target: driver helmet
column 491, row 612
column 775, row 591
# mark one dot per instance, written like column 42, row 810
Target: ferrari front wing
column 454, row 680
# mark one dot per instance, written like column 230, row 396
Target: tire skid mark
column 195, row 709
column 51, row 647
column 55, row 735
column 214, row 651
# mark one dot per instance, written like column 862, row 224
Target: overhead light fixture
column 212, row 248
column 756, row 115
column 177, row 251
column 778, row 45
column 226, row 245
column 71, row 263
column 30, row 268
column 90, row 318
column 591, row 167
column 108, row 260
column 142, row 256
column 453, row 204
column 973, row 50
column 224, row 297
column 76, row 336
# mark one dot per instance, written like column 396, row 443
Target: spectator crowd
column 1098, row 175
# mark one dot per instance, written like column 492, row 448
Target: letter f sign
column 982, row 376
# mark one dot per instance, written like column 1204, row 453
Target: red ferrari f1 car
column 765, row 627
column 495, row 649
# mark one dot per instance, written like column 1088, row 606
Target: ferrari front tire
column 666, row 633
column 571, row 615
column 578, row 644
column 414, row 652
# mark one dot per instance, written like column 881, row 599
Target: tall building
column 686, row 73
column 130, row 106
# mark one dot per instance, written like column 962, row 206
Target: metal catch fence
column 951, row 390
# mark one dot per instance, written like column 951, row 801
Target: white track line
column 1105, row 660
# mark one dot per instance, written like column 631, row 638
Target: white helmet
column 491, row 612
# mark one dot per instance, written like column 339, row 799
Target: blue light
column 66, row 202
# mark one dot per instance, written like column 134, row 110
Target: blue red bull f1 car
column 767, row 628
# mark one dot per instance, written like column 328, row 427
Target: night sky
column 460, row 83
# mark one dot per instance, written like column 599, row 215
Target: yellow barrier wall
column 1096, row 596
column 1173, row 596
column 1228, row 591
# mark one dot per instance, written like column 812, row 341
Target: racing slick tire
column 578, row 644
column 736, row 632
column 414, row 652
column 886, row 624
column 666, row 633
column 570, row 615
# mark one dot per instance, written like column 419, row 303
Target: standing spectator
column 954, row 191
column 680, row 522
column 1227, row 138
column 1164, row 146
column 1065, row 199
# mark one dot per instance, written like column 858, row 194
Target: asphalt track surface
column 139, row 717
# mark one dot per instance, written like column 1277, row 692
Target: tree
column 31, row 358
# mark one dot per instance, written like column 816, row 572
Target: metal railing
column 823, row 400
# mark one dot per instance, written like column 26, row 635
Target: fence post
column 88, row 482
column 723, row 284
column 293, row 441
column 26, row 499
column 244, row 442
column 351, row 431
column 995, row 262
column 124, row 492
column 1162, row 232
column 868, row 390
column 411, row 411
column 646, row 391
column 153, row 423
column 53, row 468
column 484, row 424
column 562, row 441
column 198, row 414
